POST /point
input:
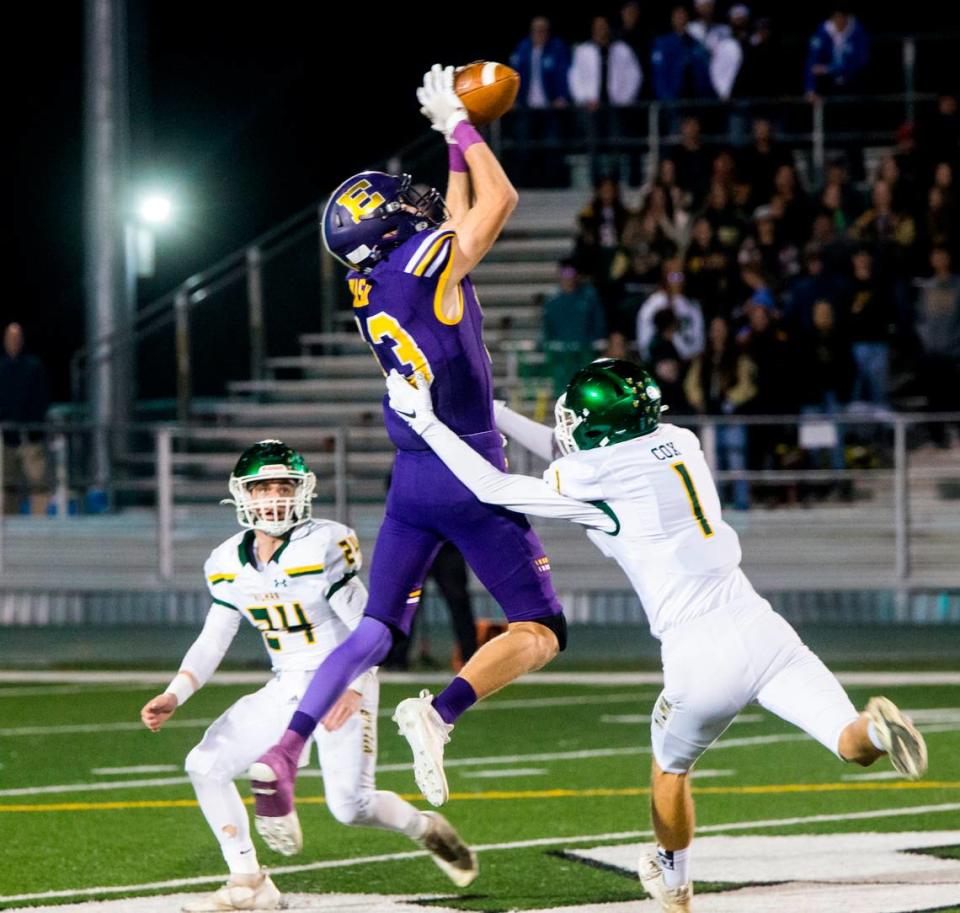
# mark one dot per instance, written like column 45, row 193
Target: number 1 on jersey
column 695, row 506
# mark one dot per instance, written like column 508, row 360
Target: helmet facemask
column 566, row 423
column 270, row 513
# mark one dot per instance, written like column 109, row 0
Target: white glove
column 412, row 403
column 439, row 103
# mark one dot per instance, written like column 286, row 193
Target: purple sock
column 455, row 699
column 367, row 644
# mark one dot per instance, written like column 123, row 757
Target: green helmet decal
column 273, row 514
column 607, row 402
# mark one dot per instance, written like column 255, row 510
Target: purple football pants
column 428, row 505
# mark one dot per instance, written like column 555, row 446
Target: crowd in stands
column 701, row 56
column 749, row 293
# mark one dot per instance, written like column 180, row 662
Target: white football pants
column 714, row 665
column 348, row 759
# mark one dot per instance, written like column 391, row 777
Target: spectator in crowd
column 573, row 326
column 838, row 56
column 828, row 367
column 692, row 161
column 724, row 50
column 815, row 283
column 24, row 398
column 937, row 324
column 728, row 228
column 605, row 76
column 834, row 206
column 937, row 223
column 680, row 63
column 723, row 169
column 902, row 191
column 791, row 205
column 666, row 178
column 721, row 381
column 543, row 61
column 940, row 133
column 778, row 260
column 870, row 320
column 761, row 160
column 688, row 337
column 665, row 362
column 889, row 232
column 635, row 31
column 776, row 376
column 707, row 269
column 760, row 73
column 601, row 223
column 673, row 223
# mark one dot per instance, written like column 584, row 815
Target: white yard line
column 604, row 679
column 486, row 761
column 138, row 769
column 763, row 824
column 385, row 712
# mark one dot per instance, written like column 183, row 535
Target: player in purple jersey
column 410, row 255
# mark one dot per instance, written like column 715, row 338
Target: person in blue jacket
column 838, row 56
column 681, row 66
column 542, row 60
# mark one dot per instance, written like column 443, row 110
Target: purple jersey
column 398, row 310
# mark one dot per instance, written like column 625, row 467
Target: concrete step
column 346, row 365
column 519, row 271
column 359, row 390
column 345, row 341
column 531, row 249
column 323, row 415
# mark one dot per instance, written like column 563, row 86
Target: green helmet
column 264, row 461
column 606, row 402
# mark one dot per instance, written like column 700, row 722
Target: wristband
column 466, row 135
column 181, row 687
column 458, row 164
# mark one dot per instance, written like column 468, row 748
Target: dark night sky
column 250, row 111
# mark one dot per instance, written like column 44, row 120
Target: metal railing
column 154, row 488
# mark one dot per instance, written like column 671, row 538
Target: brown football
column 487, row 89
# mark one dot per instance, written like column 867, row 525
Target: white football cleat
column 426, row 732
column 672, row 900
column 456, row 860
column 900, row 738
column 241, row 892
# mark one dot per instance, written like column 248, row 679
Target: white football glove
column 439, row 103
column 412, row 403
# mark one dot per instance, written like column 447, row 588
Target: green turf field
column 548, row 769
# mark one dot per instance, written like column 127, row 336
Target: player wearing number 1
column 646, row 497
column 410, row 255
column 295, row 579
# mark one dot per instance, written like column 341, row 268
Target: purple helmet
column 373, row 212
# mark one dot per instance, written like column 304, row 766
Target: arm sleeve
column 535, row 437
column 206, row 652
column 524, row 494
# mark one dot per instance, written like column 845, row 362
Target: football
column 487, row 89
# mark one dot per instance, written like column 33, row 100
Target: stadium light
column 155, row 209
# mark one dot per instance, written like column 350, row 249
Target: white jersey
column 288, row 599
column 670, row 540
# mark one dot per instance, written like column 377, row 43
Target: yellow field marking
column 499, row 795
